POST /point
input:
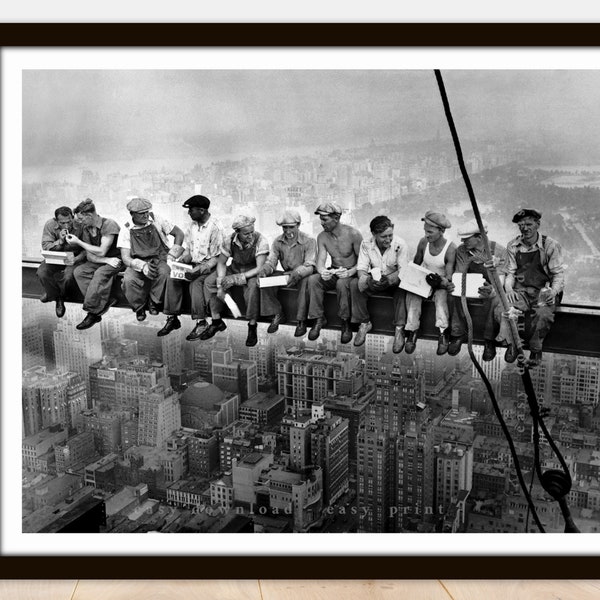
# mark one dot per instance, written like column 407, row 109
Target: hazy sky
column 75, row 115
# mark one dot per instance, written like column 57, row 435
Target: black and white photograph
column 352, row 300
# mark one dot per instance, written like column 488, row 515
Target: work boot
column 275, row 322
column 535, row 358
column 443, row 343
column 140, row 314
column 411, row 341
column 172, row 323
column 361, row 336
column 252, row 338
column 60, row 308
column 300, row 329
column 399, row 340
column 195, row 333
column 456, row 344
column 511, row 353
column 315, row 330
column 152, row 308
column 346, row 332
column 214, row 328
column 89, row 321
column 44, row 298
column 489, row 350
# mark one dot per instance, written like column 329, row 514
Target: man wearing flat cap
column 248, row 251
column 436, row 253
column 342, row 243
column 95, row 276
column 534, row 282
column 202, row 240
column 144, row 250
column 470, row 258
column 297, row 253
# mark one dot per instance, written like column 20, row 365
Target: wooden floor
column 300, row 590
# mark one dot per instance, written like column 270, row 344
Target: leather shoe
column 140, row 314
column 195, row 333
column 152, row 308
column 443, row 343
column 511, row 354
column 361, row 336
column 489, row 351
column 300, row 329
column 411, row 342
column 172, row 323
column 213, row 329
column 315, row 330
column 252, row 338
column 535, row 358
column 399, row 340
column 89, row 321
column 275, row 323
column 456, row 344
column 44, row 298
column 60, row 308
column 346, row 332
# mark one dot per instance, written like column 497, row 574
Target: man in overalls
column 248, row 250
column 144, row 250
column 470, row 259
column 534, row 282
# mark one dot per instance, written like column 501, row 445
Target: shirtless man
column 342, row 243
column 437, row 254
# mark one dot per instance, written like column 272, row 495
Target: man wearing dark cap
column 297, row 253
column 248, row 250
column 436, row 253
column 57, row 279
column 144, row 251
column 342, row 243
column 202, row 240
column 534, row 282
column 95, row 276
column 470, row 259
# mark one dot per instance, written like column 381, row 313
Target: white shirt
column 393, row 259
column 163, row 227
column 203, row 241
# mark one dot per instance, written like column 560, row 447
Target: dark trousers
column 174, row 296
column 316, row 293
column 360, row 313
column 56, row 279
column 270, row 305
column 95, row 282
column 251, row 296
column 138, row 288
column 458, row 324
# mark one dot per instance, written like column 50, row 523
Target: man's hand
column 114, row 262
column 234, row 279
column 486, row 290
column 221, row 294
column 493, row 262
column 512, row 296
column 326, row 275
column 434, row 280
column 377, row 286
column 293, row 278
column 343, row 273
column 150, row 271
column 62, row 234
column 69, row 261
column 262, row 272
column 175, row 252
column 198, row 270
column 72, row 239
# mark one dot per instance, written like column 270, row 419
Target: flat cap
column 197, row 202
column 289, row 217
column 242, row 221
column 139, row 205
column 436, row 219
column 328, row 208
column 470, row 228
column 526, row 212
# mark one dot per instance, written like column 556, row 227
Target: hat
column 196, row 202
column 328, row 208
column 242, row 221
column 526, row 212
column 436, row 219
column 471, row 228
column 139, row 205
column 289, row 217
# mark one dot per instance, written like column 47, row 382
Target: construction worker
column 96, row 274
column 379, row 267
column 202, row 240
column 248, row 250
column 297, row 253
column 144, row 250
column 57, row 279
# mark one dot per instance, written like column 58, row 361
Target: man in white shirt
column 203, row 239
column 379, row 268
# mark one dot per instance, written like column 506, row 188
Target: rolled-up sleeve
column 49, row 239
column 273, row 258
column 511, row 259
column 310, row 258
column 217, row 243
column 262, row 247
column 556, row 265
column 402, row 258
column 364, row 261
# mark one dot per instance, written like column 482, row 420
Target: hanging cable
column 555, row 482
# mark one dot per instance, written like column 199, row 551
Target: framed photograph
column 157, row 432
